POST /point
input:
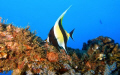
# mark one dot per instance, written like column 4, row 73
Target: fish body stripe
column 63, row 33
column 52, row 39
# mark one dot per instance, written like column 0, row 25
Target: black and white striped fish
column 57, row 35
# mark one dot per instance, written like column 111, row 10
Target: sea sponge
column 52, row 56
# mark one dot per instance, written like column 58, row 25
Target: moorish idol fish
column 58, row 36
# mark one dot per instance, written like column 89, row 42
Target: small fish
column 58, row 36
column 100, row 22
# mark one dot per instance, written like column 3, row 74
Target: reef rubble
column 27, row 54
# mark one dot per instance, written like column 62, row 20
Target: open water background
column 90, row 18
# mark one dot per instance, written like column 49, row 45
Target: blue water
column 6, row 73
column 90, row 18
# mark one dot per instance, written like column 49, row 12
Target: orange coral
column 16, row 72
column 28, row 53
column 3, row 55
column 36, row 57
column 2, row 47
column 42, row 59
column 88, row 64
column 28, row 47
column 20, row 66
column 36, row 70
column 1, row 70
column 9, row 28
column 12, row 45
column 52, row 57
column 46, row 45
column 93, row 65
column 4, row 33
column 17, row 30
column 21, row 50
column 9, row 37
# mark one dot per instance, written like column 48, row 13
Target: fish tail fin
column 71, row 34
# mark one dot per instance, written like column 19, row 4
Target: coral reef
column 109, row 69
column 101, row 51
column 25, row 53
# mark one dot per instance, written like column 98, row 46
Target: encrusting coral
column 25, row 53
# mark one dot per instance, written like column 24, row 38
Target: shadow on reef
column 26, row 54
